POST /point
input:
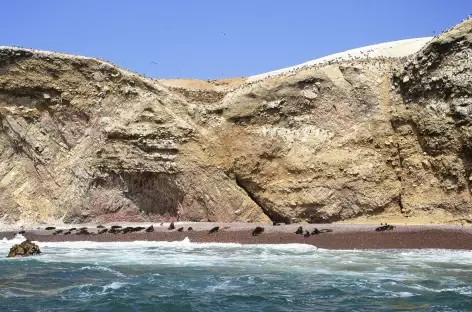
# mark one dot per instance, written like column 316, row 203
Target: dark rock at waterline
column 67, row 233
column 307, row 234
column 315, row 232
column 171, row 226
column 49, row 228
column 150, row 229
column 190, row 229
column 215, row 229
column 180, row 229
column 25, row 249
column 299, row 230
column 258, row 230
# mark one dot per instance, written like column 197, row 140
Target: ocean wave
column 102, row 268
column 185, row 243
column 15, row 240
column 113, row 286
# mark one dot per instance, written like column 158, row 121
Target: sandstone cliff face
column 82, row 140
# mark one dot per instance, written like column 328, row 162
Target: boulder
column 25, row 249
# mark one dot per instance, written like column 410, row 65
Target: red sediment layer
column 441, row 239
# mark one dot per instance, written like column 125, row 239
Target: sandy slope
column 399, row 48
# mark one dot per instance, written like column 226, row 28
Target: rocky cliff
column 364, row 137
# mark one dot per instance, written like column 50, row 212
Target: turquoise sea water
column 182, row 276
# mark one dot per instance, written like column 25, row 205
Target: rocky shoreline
column 343, row 236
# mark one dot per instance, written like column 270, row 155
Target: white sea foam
column 15, row 240
column 185, row 243
column 113, row 286
column 102, row 268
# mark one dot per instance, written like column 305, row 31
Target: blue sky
column 210, row 39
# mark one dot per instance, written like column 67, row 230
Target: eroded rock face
column 83, row 140
column 24, row 249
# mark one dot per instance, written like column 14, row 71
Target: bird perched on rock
column 258, row 230
column 150, row 229
column 299, row 230
column 180, row 229
column 171, row 226
column 215, row 229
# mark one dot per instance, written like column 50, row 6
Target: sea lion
column 102, row 231
column 180, row 229
column 49, row 228
column 299, row 230
column 215, row 229
column 116, row 227
column 190, row 229
column 258, row 230
column 72, row 229
column 325, row 230
column 275, row 223
column 171, row 226
column 67, row 233
column 83, row 228
column 82, row 232
column 127, row 229
column 306, row 234
column 385, row 227
column 113, row 231
column 315, row 232
column 150, row 229
column 21, row 232
column 57, row 232
column 100, row 227
column 138, row 229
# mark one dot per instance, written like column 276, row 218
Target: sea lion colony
column 118, row 229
